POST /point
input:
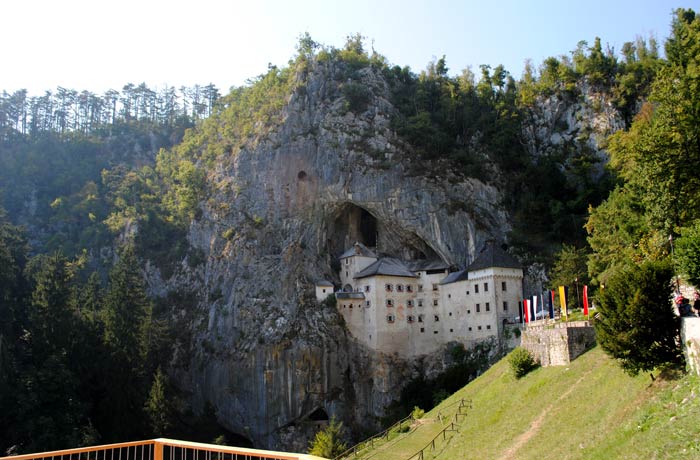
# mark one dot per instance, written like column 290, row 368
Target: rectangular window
column 469, row 312
column 470, row 328
column 437, row 318
column 505, row 306
column 350, row 306
column 488, row 326
column 420, row 302
column 503, row 286
column 476, row 289
column 488, row 306
column 389, row 318
column 486, row 287
column 420, row 288
column 409, row 288
column 478, row 308
column 368, row 304
column 389, row 303
column 389, row 288
column 479, row 328
column 366, row 288
column 410, row 318
column 399, row 288
column 422, row 329
column 435, row 332
column 409, row 303
column 420, row 318
column 435, row 302
column 435, row 287
column 347, row 261
column 451, row 330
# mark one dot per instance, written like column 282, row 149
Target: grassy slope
column 590, row 410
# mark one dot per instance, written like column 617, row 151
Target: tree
column 688, row 252
column 159, row 406
column 328, row 442
column 636, row 324
column 569, row 267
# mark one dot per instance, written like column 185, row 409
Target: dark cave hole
column 319, row 415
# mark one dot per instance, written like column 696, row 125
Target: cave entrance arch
column 348, row 223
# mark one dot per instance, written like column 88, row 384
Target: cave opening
column 319, row 415
column 350, row 223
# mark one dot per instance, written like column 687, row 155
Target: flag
column 526, row 307
column 550, row 303
column 534, row 307
column 562, row 299
column 585, row 300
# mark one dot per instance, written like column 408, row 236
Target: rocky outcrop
column 254, row 342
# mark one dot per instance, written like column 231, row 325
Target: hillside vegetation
column 590, row 409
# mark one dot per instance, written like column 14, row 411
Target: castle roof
column 358, row 249
column 324, row 283
column 493, row 256
column 349, row 295
column 426, row 265
column 386, row 266
column 453, row 277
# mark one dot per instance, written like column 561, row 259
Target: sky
column 98, row 45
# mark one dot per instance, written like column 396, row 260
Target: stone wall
column 558, row 344
column 690, row 337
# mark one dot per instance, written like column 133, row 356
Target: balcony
column 162, row 449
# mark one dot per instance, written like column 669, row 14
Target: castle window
column 468, row 312
column 344, row 306
column 347, row 261
column 366, row 288
column 435, row 287
column 346, row 273
column 449, row 296
column 451, row 330
column 435, row 302
column 389, row 303
column 422, row 329
column 368, row 304
column 350, row 306
column 410, row 318
column 488, row 326
column 409, row 288
column 470, row 328
column 467, row 292
column 435, row 332
column 409, row 303
column 503, row 286
column 488, row 307
column 450, row 314
column 476, row 289
column 437, row 318
column 486, row 287
column 479, row 327
column 324, row 290
column 399, row 288
column 420, row 318
column 389, row 318
column 478, row 308
column 389, row 288
column 420, row 288
column 505, row 306
column 420, row 302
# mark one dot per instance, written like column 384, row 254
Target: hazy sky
column 102, row 44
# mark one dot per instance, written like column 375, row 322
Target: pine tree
column 328, row 442
column 159, row 406
column 636, row 323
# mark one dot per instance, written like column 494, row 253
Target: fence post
column 157, row 450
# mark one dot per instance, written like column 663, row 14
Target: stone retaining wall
column 560, row 343
column 690, row 337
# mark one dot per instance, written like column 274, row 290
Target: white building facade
column 416, row 307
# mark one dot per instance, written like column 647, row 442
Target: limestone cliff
column 283, row 204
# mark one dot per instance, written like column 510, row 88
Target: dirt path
column 536, row 424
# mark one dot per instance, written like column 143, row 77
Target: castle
column 415, row 307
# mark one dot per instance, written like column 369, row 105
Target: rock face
column 257, row 346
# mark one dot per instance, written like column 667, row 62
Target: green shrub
column 417, row 412
column 521, row 362
column 357, row 96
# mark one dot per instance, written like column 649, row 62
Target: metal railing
column 161, row 449
column 369, row 442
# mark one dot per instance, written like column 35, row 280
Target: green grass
column 587, row 410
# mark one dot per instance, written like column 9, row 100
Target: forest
column 91, row 186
